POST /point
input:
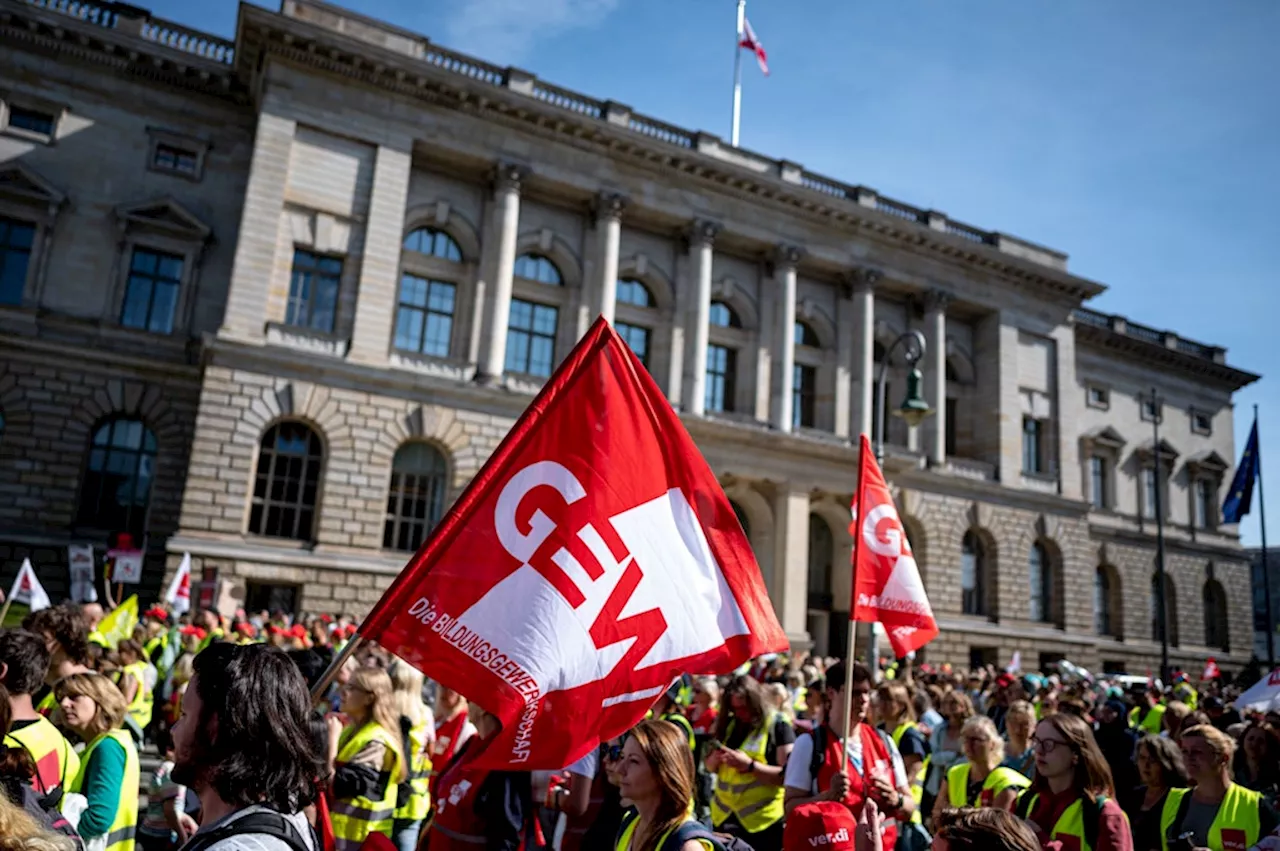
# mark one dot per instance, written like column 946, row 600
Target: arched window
column 1171, row 609
column 973, row 575
column 287, row 482
column 415, row 500
column 1216, row 633
column 1040, row 573
column 535, row 267
column 743, row 520
column 1102, row 591
column 631, row 291
column 435, row 243
column 723, row 316
column 878, row 351
column 118, row 476
column 805, row 336
column 821, row 554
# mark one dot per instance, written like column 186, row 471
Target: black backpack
column 690, row 830
column 264, row 823
column 1022, row 809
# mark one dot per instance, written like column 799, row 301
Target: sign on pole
column 80, row 564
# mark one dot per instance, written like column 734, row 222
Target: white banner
column 27, row 588
column 126, row 566
column 80, row 562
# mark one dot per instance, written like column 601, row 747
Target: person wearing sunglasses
column 980, row 781
column 1071, row 802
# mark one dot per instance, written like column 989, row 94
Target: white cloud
column 504, row 31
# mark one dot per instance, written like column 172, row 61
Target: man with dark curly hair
column 66, row 635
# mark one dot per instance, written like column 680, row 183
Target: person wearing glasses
column 980, row 781
column 367, row 759
column 1071, row 802
column 1216, row 814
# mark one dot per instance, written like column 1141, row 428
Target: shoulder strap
column 627, row 818
column 819, row 755
column 261, row 823
column 690, row 830
column 1026, row 801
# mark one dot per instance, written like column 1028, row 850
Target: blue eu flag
column 1240, row 497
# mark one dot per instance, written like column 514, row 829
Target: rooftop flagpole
column 737, row 74
column 1266, row 573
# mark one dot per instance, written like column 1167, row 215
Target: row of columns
column 855, row 319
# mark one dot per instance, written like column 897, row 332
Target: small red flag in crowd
column 886, row 580
column 592, row 561
column 752, row 43
column 1211, row 671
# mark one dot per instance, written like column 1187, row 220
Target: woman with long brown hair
column 1072, row 794
column 367, row 759
column 1160, row 768
column 656, row 775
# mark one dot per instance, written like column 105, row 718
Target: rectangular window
column 31, row 120
column 952, row 426
column 722, row 368
column 531, row 338
column 635, row 337
column 1201, row 422
column 313, row 291
column 1032, row 445
column 1150, row 409
column 151, row 294
column 1098, row 397
column 16, row 239
column 1206, row 504
column 1098, row 481
column 1148, row 476
column 175, row 159
column 804, row 396
column 424, row 317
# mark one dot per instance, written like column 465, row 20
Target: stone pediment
column 1105, row 437
column 22, row 184
column 166, row 215
column 1209, row 461
column 1166, row 450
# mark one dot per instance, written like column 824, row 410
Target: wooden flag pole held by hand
column 339, row 659
column 853, row 598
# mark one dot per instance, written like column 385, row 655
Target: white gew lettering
column 523, row 545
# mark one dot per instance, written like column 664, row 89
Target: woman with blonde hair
column 655, row 774
column 94, row 709
column 946, row 744
column 980, row 781
column 417, row 735
column 367, row 759
column 20, row 832
column 1019, row 723
column 705, row 707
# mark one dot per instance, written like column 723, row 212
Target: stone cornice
column 514, row 98
column 1154, row 354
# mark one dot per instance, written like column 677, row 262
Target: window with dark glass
column 287, row 482
column 531, row 338
column 635, row 337
column 31, row 120
column 1206, row 497
column 804, row 397
column 953, row 426
column 1148, row 478
column 722, row 366
column 424, row 316
column 1102, row 602
column 821, row 558
column 723, row 316
column 805, row 336
column 1216, row 633
column 973, row 575
column 1033, row 445
column 1098, row 481
column 1149, row 409
column 313, row 291
column 631, row 291
column 1201, row 423
column 415, row 501
column 173, row 158
column 151, row 293
column 1098, row 397
column 435, row 243
column 535, row 267
column 1171, row 609
column 118, row 477
column 16, row 239
column 1040, row 573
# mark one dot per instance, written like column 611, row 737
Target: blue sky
column 1143, row 137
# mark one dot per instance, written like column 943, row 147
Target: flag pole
column 737, row 74
column 1266, row 574
column 853, row 601
column 330, row 673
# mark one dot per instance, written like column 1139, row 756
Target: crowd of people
column 787, row 753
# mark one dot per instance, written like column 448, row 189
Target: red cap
column 157, row 613
column 273, row 629
column 326, row 618
column 197, row 631
column 826, row 824
column 298, row 631
column 351, row 629
column 1005, row 679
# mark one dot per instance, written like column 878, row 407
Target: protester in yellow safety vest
column 668, row 709
column 1019, row 722
column 368, row 759
column 93, row 708
column 1148, row 715
column 211, row 623
column 748, row 756
column 136, row 682
column 417, row 735
column 1071, row 798
column 894, row 709
column 655, row 774
column 1227, row 815
column 23, row 661
column 980, row 781
column 66, row 637
column 93, row 615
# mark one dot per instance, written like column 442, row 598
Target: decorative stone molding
column 544, row 242
column 787, row 256
column 702, row 232
column 429, row 423
column 808, row 311
column 639, row 267
column 508, row 177
column 609, row 205
column 862, row 279
column 117, row 397
column 441, row 216
column 937, row 299
column 726, row 289
column 1048, row 526
column 286, row 400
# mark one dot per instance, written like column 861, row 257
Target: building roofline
column 1160, row 348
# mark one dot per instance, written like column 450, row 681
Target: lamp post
column 913, row 411
column 1162, row 609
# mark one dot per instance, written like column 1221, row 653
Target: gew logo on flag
column 593, row 560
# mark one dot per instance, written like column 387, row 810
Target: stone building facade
column 280, row 298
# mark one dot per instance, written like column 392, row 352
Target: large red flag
column 592, row 560
column 886, row 580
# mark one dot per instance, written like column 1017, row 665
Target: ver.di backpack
column 692, row 830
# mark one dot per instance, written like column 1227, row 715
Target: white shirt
column 258, row 841
column 587, row 766
column 797, row 774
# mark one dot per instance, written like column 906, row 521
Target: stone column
column 507, row 214
column 935, row 372
column 845, row 341
column 791, row 560
column 702, row 236
column 609, row 228
column 864, row 313
column 784, row 278
column 380, row 263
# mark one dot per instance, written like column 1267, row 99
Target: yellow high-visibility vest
column 1237, row 820
column 121, row 832
column 742, row 794
column 418, row 804
column 355, row 818
column 997, row 781
column 917, row 782
column 140, row 708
